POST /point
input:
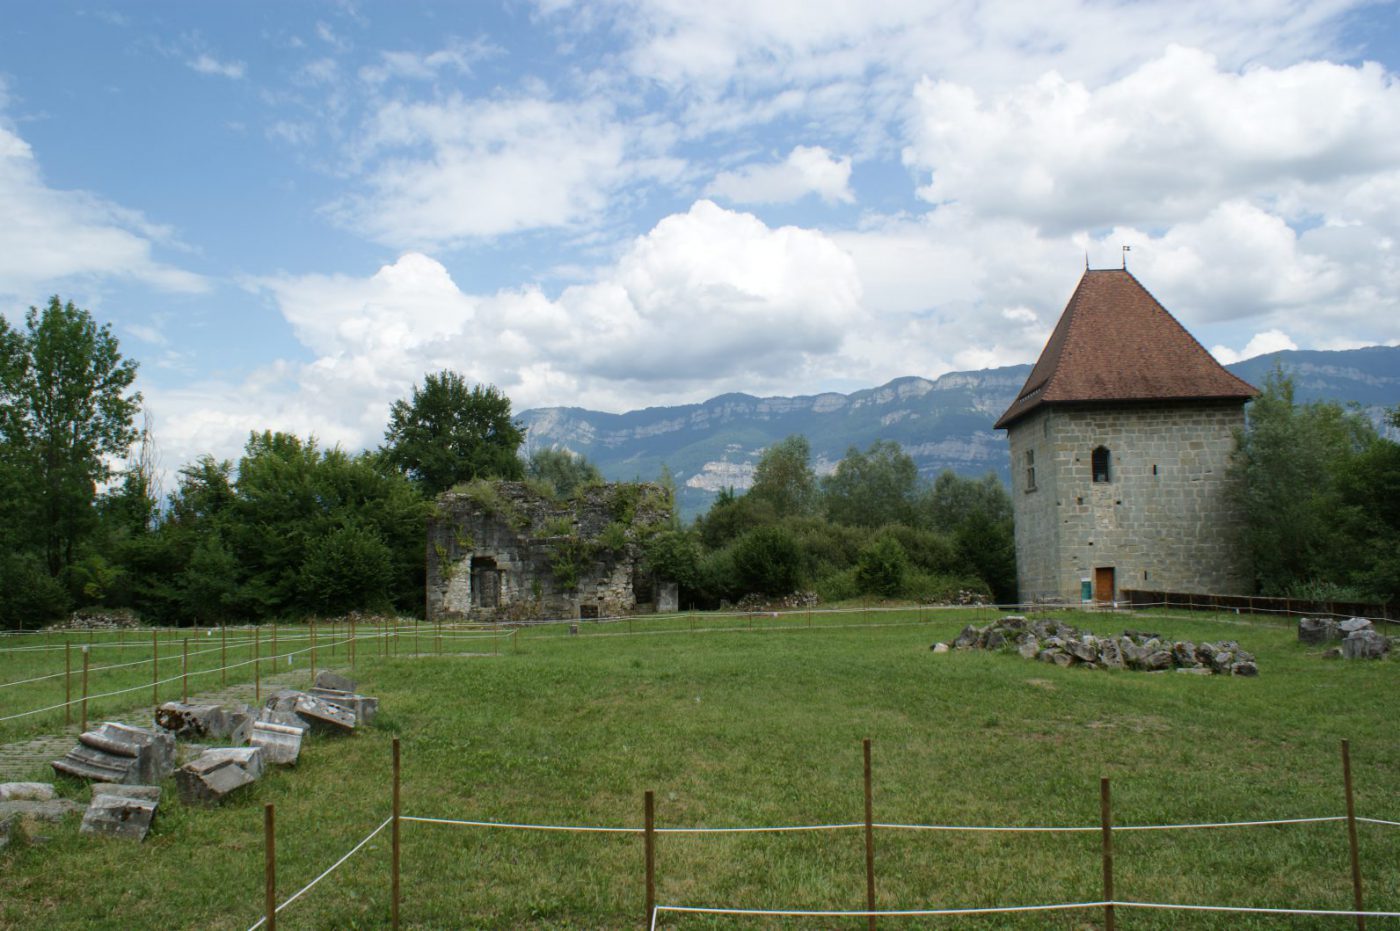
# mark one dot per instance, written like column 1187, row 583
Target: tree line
column 291, row 528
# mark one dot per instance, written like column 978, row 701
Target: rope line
column 888, row 826
column 307, row 888
column 1005, row 909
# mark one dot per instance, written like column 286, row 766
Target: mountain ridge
column 945, row 422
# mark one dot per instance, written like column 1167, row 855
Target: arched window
column 1101, row 473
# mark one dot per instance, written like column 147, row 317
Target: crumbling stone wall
column 1167, row 517
column 502, row 551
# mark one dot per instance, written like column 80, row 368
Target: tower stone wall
column 1165, row 519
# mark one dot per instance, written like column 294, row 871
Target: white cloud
column 490, row 168
column 806, row 170
column 707, row 301
column 205, row 63
column 1259, row 345
column 455, row 57
column 1163, row 144
column 50, row 235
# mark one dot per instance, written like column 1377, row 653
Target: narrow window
column 1100, row 465
column 1030, row 470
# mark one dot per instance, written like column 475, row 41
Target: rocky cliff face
column 943, row 423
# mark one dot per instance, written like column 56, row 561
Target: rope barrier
column 145, row 685
column 332, row 868
column 1005, row 909
column 887, row 826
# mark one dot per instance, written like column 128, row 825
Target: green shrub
column 881, row 567
column 29, row 596
column 348, row 568
column 674, row 556
column 767, row 562
column 838, row 586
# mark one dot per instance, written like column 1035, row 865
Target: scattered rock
column 26, row 817
column 25, row 791
column 119, row 753
column 200, row 721
column 121, row 811
column 280, row 743
column 1352, row 624
column 299, row 709
column 1364, row 643
column 325, row 679
column 218, row 772
column 1051, row 641
column 1317, row 630
column 363, row 707
column 939, row 648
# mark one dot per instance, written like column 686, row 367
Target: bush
column 936, row 588
column 29, row 596
column 838, row 586
column 881, row 567
column 673, row 556
column 346, row 569
column 767, row 562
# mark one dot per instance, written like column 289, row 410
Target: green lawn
column 737, row 727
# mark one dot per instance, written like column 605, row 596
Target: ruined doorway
column 1104, row 583
column 486, row 582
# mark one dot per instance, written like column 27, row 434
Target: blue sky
column 289, row 212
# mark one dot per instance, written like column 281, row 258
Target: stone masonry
column 1164, row 519
column 508, row 553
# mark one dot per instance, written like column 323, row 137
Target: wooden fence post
column 223, row 653
column 67, row 682
column 313, row 651
column 1351, row 836
column 1106, row 821
column 269, row 869
column 155, row 670
column 394, row 831
column 85, row 674
column 869, row 840
column 649, row 822
column 257, row 664
column 185, row 671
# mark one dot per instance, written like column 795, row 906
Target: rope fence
column 654, row 910
column 387, row 639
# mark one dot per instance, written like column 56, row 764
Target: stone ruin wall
column 495, row 560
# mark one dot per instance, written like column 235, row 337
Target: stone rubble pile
column 1359, row 638
column 126, row 764
column 1052, row 641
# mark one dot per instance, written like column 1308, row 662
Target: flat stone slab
column 119, row 753
column 280, row 743
column 26, row 791
column 325, row 679
column 205, row 721
column 309, row 711
column 362, row 706
column 121, row 811
column 207, row 780
column 26, row 817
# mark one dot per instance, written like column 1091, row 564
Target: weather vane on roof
column 1126, row 250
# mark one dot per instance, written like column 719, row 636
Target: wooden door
column 1103, row 584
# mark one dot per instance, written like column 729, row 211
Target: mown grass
column 735, row 727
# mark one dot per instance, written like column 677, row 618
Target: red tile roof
column 1114, row 342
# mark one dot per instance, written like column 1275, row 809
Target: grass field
column 732, row 726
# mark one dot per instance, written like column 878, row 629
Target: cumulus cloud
column 49, row 235
column 708, row 300
column 806, row 170
column 1259, row 345
column 1163, row 144
column 443, row 172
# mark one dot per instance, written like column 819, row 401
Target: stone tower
column 1120, row 442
